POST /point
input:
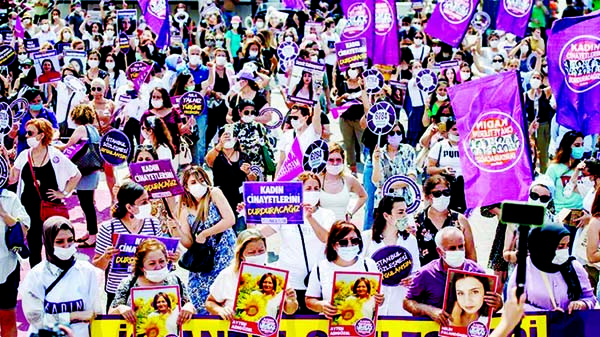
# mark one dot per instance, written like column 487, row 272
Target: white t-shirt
column 447, row 154
column 330, row 41
column 224, row 287
column 320, row 284
column 420, row 53
column 305, row 138
column 291, row 254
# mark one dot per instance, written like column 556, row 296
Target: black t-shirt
column 75, row 20
column 229, row 177
column 354, row 112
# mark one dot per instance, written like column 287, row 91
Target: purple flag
column 493, row 146
column 386, row 49
column 360, row 18
column 292, row 165
column 450, row 20
column 156, row 13
column 19, row 29
column 138, row 72
column 573, row 58
column 513, row 16
column 294, row 4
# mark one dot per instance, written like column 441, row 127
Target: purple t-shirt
column 429, row 283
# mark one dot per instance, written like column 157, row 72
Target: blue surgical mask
column 577, row 152
column 36, row 107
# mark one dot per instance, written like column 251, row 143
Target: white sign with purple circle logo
column 373, row 80
column 427, row 80
column 381, row 118
column 405, row 187
column 288, row 51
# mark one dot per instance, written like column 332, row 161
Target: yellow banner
column 109, row 326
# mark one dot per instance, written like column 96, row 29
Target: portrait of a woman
column 166, row 310
column 48, row 72
column 466, row 299
column 362, row 291
column 304, row 88
column 268, row 287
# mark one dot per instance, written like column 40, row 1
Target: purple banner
column 360, row 23
column 493, row 143
column 157, row 177
column 138, row 72
column 386, row 48
column 294, row 4
column 351, row 53
column 156, row 13
column 450, row 20
column 292, row 165
column 273, row 203
column 573, row 58
column 127, row 244
column 513, row 16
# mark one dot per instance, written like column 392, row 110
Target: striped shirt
column 105, row 239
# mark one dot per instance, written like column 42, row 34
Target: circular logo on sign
column 381, row 118
column 477, row 329
column 427, row 80
column 373, row 80
column 6, row 119
column 517, row 8
column 158, row 8
column 257, row 171
column 276, row 117
column 4, row 171
column 364, row 327
column 395, row 264
column 288, row 51
column 359, row 19
column 531, row 61
column 403, row 186
column 384, row 19
column 495, row 143
column 456, row 11
column 124, row 43
column 315, row 157
column 19, row 108
column 191, row 103
column 7, row 55
column 267, row 326
column 115, row 147
column 578, row 62
column 481, row 21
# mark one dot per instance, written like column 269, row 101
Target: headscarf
column 51, row 228
column 172, row 62
column 542, row 243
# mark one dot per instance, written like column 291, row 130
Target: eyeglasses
column 349, row 242
column 543, row 198
column 250, row 112
column 220, row 40
column 437, row 194
column 98, row 89
column 294, row 118
column 23, row 53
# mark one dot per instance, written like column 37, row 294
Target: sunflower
column 173, row 298
column 251, row 308
column 138, row 303
column 374, row 285
column 350, row 311
column 153, row 326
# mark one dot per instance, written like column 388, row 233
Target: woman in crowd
column 131, row 215
column 223, row 80
column 248, row 91
column 251, row 134
column 306, row 127
column 337, row 186
column 160, row 106
column 155, row 133
column 540, row 108
column 62, row 290
column 251, row 247
column 438, row 215
column 343, row 253
column 150, row 270
column 43, row 173
column 304, row 242
column 94, row 71
column 36, row 111
column 116, row 75
column 205, row 217
column 391, row 228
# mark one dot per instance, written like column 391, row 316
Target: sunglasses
column 497, row 61
column 98, row 89
column 535, row 196
column 395, row 133
column 30, row 134
column 22, row 53
column 335, row 160
column 437, row 194
column 294, row 118
column 145, row 159
column 349, row 242
column 250, row 112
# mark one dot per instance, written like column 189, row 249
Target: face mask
column 334, row 169
column 452, row 137
column 524, row 50
column 145, row 211
column 394, row 140
column 312, row 197
column 22, row 57
column 441, row 97
column 157, row 103
column 110, row 65
column 417, row 27
column 109, row 33
column 190, row 88
column 288, row 39
column 219, row 43
column 221, row 60
column 36, row 107
column 195, row 59
column 157, row 276
column 65, row 254
column 314, row 59
column 150, row 48
column 440, row 204
column 210, row 43
column 33, row 142
column 352, row 73
column 260, row 259
column 230, row 144
column 247, row 119
column 67, row 36
column 180, row 10
column 562, row 256
column 297, row 124
column 402, row 224
column 418, row 42
column 14, row 22
column 436, row 49
column 494, row 44
column 198, row 190
column 348, row 253
column 260, row 25
column 455, row 258
column 497, row 66
column 465, row 75
column 577, row 152
column 45, row 27
column 253, row 53
column 545, row 69
column 443, row 119
column 111, row 8
column 235, row 25
column 93, row 63
column 535, row 83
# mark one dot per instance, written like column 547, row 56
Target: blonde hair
column 83, row 114
column 188, row 199
column 244, row 238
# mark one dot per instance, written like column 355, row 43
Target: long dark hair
column 300, row 85
column 181, row 81
column 452, row 297
column 563, row 154
column 128, row 193
column 385, row 206
column 162, row 136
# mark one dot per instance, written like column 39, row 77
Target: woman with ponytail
column 131, row 215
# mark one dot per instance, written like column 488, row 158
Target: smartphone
column 522, row 213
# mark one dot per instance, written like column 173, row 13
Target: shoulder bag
column 88, row 159
column 200, row 257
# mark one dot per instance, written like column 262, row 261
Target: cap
column 236, row 19
column 246, row 75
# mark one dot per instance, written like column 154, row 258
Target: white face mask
column 585, row 185
column 93, row 63
column 562, row 256
column 65, row 254
column 394, row 140
column 314, row 59
column 230, row 144
column 235, row 25
column 22, row 57
column 94, row 44
column 455, row 258
column 109, row 34
column 253, row 53
column 67, row 36
column 180, row 10
column 195, row 60
column 260, row 259
column 45, row 27
column 334, row 169
column 33, row 142
column 110, row 65
column 545, row 69
column 352, row 73
column 348, row 253
column 157, row 276
column 452, row 137
column 288, row 39
column 535, row 83
column 247, row 119
column 440, row 204
column 198, row 190
column 497, row 65
column 494, row 44
column 145, row 212
column 260, row 25
column 297, row 124
column 221, row 60
column 312, row 197
column 111, row 8
column 441, row 98
column 417, row 27
column 401, row 224
column 418, row 42
column 465, row 75
column 157, row 103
